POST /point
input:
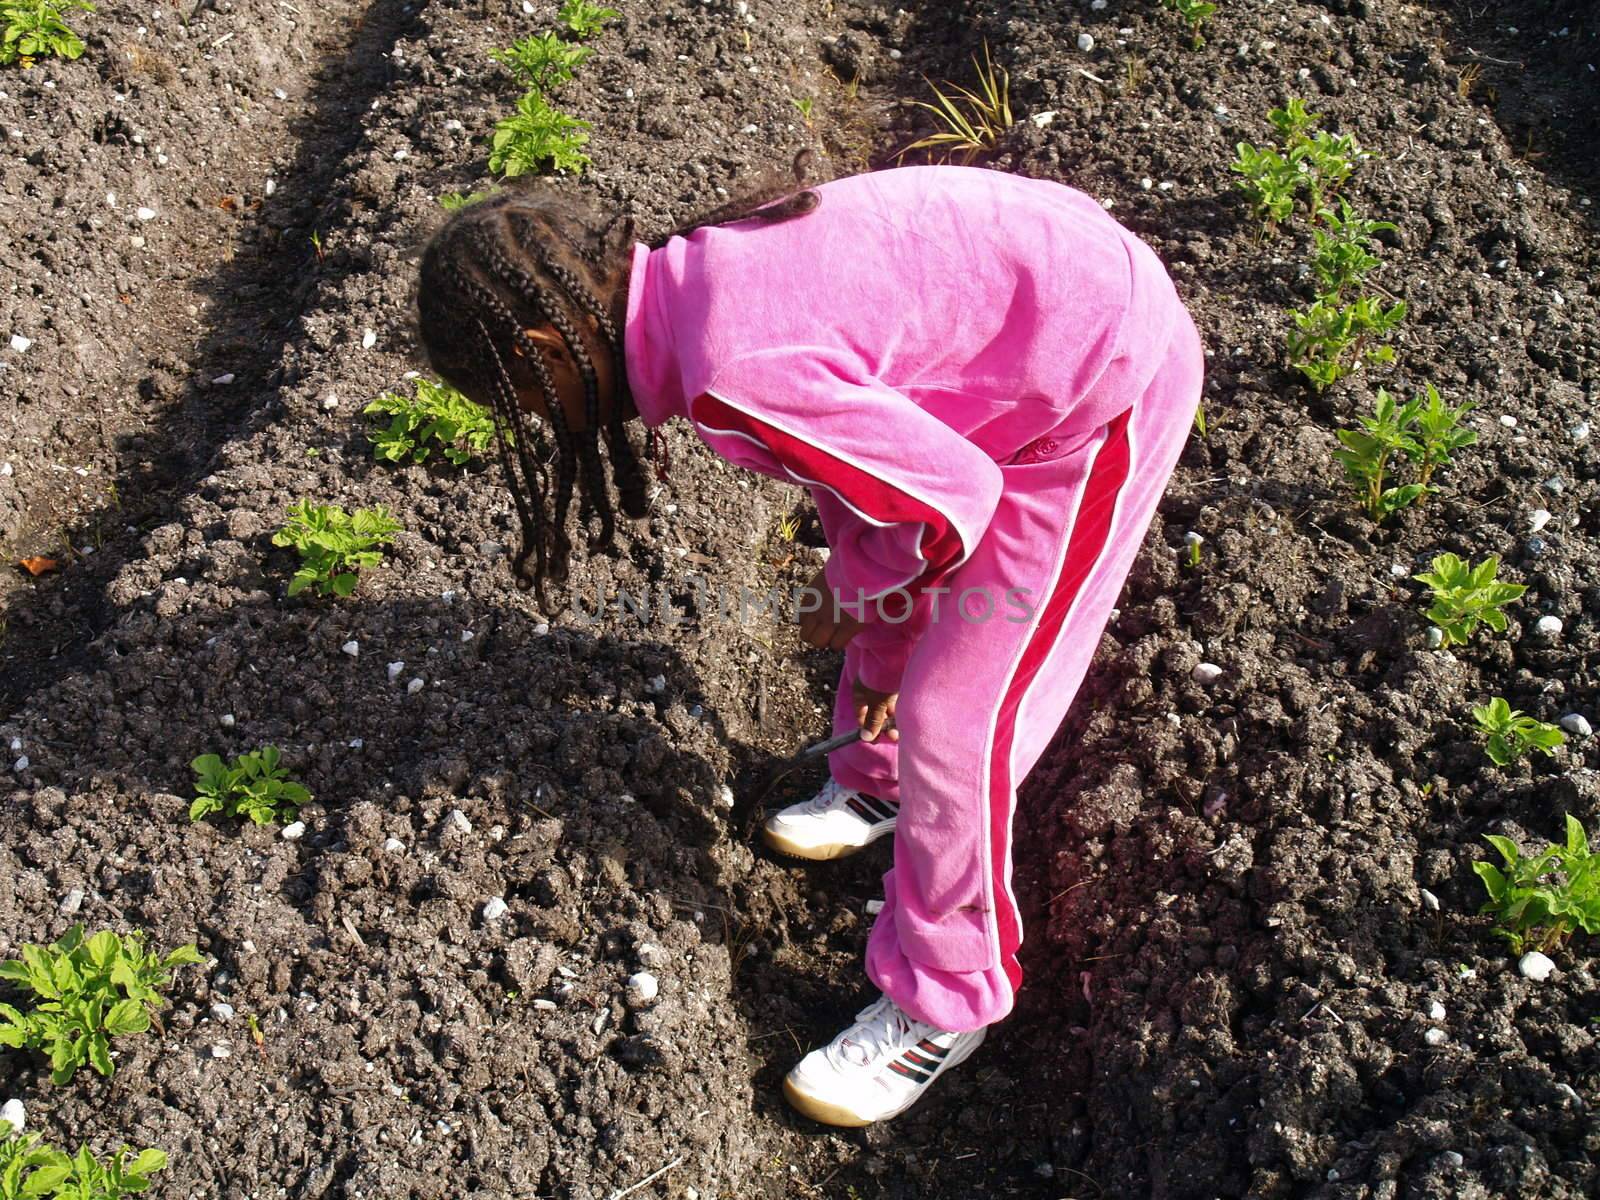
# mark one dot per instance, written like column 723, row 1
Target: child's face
column 568, row 381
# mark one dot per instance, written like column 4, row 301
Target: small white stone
column 224, row 380
column 544, row 1005
column 369, row 339
column 393, row 846
column 1535, row 966
column 642, row 988
column 1043, row 119
column 227, row 720
column 330, row 402
column 1435, row 637
column 656, row 684
column 136, row 242
column 873, row 907
column 7, row 470
column 652, row 955
column 1436, row 1037
column 19, row 343
column 221, row 1051
column 146, row 214
column 1452, row 1158
column 467, row 635
column 542, row 628
column 280, row 94
column 72, row 902
column 294, row 831
column 21, row 764
column 459, row 820
column 401, row 155
column 1547, row 627
column 1086, row 42
column 724, row 796
column 495, row 909
column 1538, row 519
column 1508, row 421
column 14, row 1114
column 1097, row 5
column 1576, row 724
column 453, row 126
column 600, row 1020
column 394, row 670
column 414, row 686
column 1430, row 901
column 1579, row 431
column 352, row 648
column 1205, row 673
column 356, row 743
column 222, row 1011
column 271, row 186
column 1435, row 1011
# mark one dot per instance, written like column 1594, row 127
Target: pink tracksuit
column 985, row 383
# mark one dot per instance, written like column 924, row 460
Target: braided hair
column 520, row 261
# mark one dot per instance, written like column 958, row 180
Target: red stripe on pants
column 1090, row 533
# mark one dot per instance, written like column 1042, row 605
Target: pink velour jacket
column 892, row 349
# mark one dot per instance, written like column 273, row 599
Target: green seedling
column 92, row 990
column 1330, row 339
column 1541, row 901
column 87, row 1178
column 1269, row 179
column 28, row 1169
column 536, row 134
column 803, row 105
column 334, row 544
column 1320, row 163
column 35, row 29
column 543, row 62
column 1343, row 255
column 439, row 417
column 585, row 19
column 1327, row 160
column 316, row 247
column 1424, row 431
column 252, row 785
column 1194, row 13
column 455, row 201
column 1465, row 596
column 972, row 122
column 1292, row 121
column 1512, row 734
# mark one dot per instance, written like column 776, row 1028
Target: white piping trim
column 969, row 543
column 994, row 722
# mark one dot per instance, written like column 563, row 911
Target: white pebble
column 1205, row 673
column 874, row 907
column 467, row 635
column 1097, row 5
column 394, row 670
column 280, row 94
column 146, row 214
column 453, row 126
column 1576, row 724
column 1547, row 626
column 394, row 846
column 1508, row 421
column 369, row 339
column 495, row 909
column 226, row 720
column 460, row 821
column 1086, row 42
column 1538, row 519
column 542, row 628
column 271, row 186
column 13, row 1113
column 1430, row 901
column 356, row 743
column 1436, row 1037
column 220, row 1051
column 1435, row 1011
column 1043, row 119
column 222, row 1010
column 21, row 764
column 293, row 832
column 224, row 380
column 1435, row 637
column 652, row 955
column 544, row 1005
column 1453, row 1158
column 414, row 687
column 72, row 902
column 1535, row 966
column 725, row 796
column 1579, row 431
column 656, row 684
column 330, row 402
column 19, row 343
column 352, row 648
column 642, row 988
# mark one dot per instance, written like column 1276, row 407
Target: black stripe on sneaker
column 855, row 805
column 881, row 809
column 917, row 1060
column 900, row 1068
column 933, row 1048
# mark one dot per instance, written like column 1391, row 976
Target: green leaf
column 47, row 1180
column 100, row 1054
column 1577, row 840
column 1509, row 850
column 148, row 1162
column 127, row 1016
column 1493, row 881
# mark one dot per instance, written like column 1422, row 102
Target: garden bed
column 1231, row 962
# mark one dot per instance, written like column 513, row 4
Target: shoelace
column 881, row 1027
column 825, row 799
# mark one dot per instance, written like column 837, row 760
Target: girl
column 985, row 383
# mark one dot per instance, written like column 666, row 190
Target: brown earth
column 1230, row 961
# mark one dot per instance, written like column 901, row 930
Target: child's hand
column 829, row 627
column 874, row 712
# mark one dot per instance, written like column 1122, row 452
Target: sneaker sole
column 822, row 853
column 828, row 1113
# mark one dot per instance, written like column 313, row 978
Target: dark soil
column 1230, row 961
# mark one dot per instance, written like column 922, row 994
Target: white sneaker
column 835, row 822
column 877, row 1068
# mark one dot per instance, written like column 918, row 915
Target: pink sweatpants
column 981, row 699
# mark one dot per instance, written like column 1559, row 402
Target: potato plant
column 253, row 785
column 90, row 991
column 537, row 134
column 1343, row 254
column 1467, row 595
column 1304, row 159
column 1424, row 432
column 1541, row 900
column 1331, row 338
column 1512, row 733
column 584, row 19
column 543, row 61
column 334, row 544
column 437, row 417
column 1194, row 13
column 35, row 29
